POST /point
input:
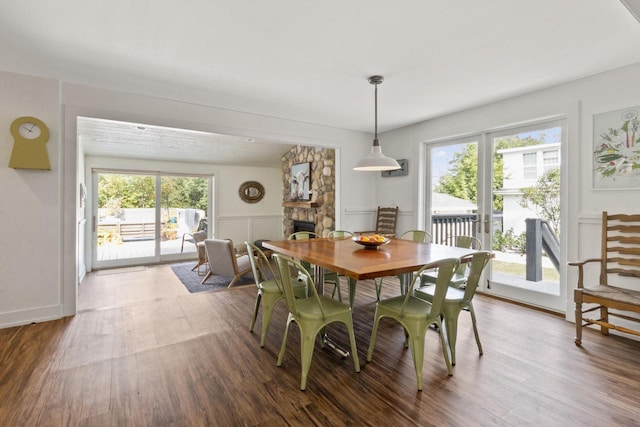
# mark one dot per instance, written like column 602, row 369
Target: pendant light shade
column 376, row 161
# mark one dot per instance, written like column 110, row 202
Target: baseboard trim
column 33, row 315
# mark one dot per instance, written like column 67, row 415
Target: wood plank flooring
column 142, row 351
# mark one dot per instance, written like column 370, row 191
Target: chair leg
column 372, row 341
column 255, row 311
column 352, row 291
column 578, row 312
column 445, row 351
column 209, row 274
column 283, row 347
column 604, row 315
column 416, row 344
column 336, row 287
column 378, row 285
column 475, row 328
column 267, row 312
column 451, row 314
column 307, row 341
column 354, row 350
column 235, row 279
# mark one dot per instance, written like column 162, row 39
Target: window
column 529, row 162
column 550, row 160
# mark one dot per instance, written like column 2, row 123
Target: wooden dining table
column 346, row 257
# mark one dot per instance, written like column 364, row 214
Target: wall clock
column 251, row 191
column 30, row 136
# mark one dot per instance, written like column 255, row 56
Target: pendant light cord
column 375, row 138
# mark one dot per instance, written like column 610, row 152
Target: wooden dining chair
column 269, row 288
column 456, row 300
column 311, row 315
column 386, row 222
column 416, row 315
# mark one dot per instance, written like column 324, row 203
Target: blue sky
column 441, row 156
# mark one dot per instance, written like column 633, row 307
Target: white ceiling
column 309, row 61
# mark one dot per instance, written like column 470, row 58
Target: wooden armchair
column 619, row 263
column 223, row 260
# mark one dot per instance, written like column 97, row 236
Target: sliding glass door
column 143, row 218
column 504, row 188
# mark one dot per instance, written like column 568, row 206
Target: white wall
column 30, row 269
column 576, row 101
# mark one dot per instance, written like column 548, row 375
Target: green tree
column 544, row 198
column 462, row 178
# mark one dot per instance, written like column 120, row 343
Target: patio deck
column 142, row 249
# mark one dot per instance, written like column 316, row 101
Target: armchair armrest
column 580, row 265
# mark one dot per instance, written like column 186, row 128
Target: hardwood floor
column 143, row 351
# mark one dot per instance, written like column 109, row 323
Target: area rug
column 191, row 280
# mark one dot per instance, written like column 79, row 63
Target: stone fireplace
column 320, row 210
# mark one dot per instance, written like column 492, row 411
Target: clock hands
column 28, row 129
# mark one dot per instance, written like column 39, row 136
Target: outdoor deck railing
column 444, row 227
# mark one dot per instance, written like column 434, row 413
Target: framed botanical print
column 616, row 149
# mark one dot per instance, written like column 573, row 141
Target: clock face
column 29, row 130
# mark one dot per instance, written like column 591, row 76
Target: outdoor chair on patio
column 189, row 237
column 198, row 239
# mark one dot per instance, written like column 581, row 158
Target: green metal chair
column 418, row 236
column 269, row 288
column 459, row 279
column 457, row 300
column 312, row 315
column 416, row 315
column 329, row 276
column 340, row 235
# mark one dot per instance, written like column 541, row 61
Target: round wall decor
column 251, row 191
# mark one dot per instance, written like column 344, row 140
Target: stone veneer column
column 322, row 185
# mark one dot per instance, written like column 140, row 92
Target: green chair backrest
column 260, row 265
column 339, row 234
column 287, row 266
column 302, row 235
column 418, row 236
column 479, row 261
column 446, row 268
column 466, row 242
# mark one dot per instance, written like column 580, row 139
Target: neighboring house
column 523, row 166
column 445, row 204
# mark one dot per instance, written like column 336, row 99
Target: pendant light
column 376, row 161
